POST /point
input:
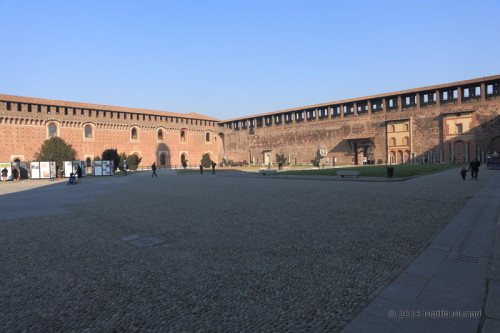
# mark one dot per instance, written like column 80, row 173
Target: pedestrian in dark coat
column 474, row 168
column 79, row 173
column 201, row 169
column 213, row 168
column 153, row 167
column 5, row 172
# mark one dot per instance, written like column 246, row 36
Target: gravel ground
column 237, row 254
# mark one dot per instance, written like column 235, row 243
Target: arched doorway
column 163, row 159
column 459, row 152
column 392, row 157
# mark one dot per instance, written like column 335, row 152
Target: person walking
column 5, row 172
column 213, row 167
column 463, row 173
column 474, row 168
column 201, row 169
column 15, row 174
column 79, row 174
column 153, row 167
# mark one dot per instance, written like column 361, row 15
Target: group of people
column 16, row 175
column 213, row 168
column 153, row 168
column 473, row 169
column 74, row 178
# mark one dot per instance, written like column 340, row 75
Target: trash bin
column 390, row 172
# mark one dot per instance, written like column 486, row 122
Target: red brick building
column 161, row 137
column 443, row 123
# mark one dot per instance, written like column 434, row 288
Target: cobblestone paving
column 239, row 254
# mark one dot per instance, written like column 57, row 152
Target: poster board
column 106, row 168
column 52, row 170
column 97, row 168
column 83, row 165
column 7, row 166
column 43, row 170
column 103, row 168
column 35, row 170
column 72, row 167
column 68, row 168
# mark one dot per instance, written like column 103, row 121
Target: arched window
column 392, row 141
column 392, row 128
column 160, row 134
column 406, row 141
column 183, row 135
column 88, row 161
column 406, row 127
column 52, row 130
column 207, row 137
column 133, row 134
column 88, row 131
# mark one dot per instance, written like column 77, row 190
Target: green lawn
column 400, row 170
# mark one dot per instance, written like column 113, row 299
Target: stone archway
column 400, row 157
column 459, row 152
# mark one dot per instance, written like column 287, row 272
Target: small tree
column 206, row 161
column 184, row 162
column 133, row 162
column 57, row 150
column 123, row 158
column 111, row 155
column 281, row 158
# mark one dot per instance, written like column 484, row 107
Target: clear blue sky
column 229, row 59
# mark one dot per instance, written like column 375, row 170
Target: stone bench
column 348, row 173
column 268, row 172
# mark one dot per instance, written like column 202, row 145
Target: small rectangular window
column 65, row 111
column 8, row 106
column 29, row 107
column 19, row 107
column 48, row 109
column 39, row 109
column 459, row 128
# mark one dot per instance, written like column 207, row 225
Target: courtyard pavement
column 233, row 252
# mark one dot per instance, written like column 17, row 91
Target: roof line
column 395, row 93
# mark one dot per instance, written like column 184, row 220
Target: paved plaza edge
column 454, row 284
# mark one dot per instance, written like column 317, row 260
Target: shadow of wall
column 479, row 141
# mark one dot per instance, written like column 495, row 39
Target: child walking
column 463, row 173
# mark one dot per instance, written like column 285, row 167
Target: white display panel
column 35, row 170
